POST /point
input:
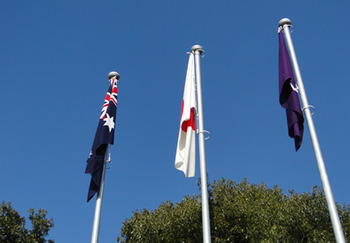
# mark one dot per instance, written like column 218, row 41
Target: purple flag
column 104, row 136
column 289, row 95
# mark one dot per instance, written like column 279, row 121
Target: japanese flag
column 186, row 146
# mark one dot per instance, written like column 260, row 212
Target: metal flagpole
column 96, row 225
column 338, row 231
column 98, row 207
column 198, row 50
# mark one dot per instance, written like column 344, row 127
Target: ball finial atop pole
column 284, row 21
column 197, row 48
column 113, row 74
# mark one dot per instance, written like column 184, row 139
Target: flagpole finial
column 284, row 21
column 197, row 48
column 113, row 74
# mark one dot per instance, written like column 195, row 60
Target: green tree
column 239, row 212
column 13, row 228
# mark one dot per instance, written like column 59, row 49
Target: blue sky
column 55, row 57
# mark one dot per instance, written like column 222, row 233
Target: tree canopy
column 239, row 212
column 13, row 228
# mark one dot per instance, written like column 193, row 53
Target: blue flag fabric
column 104, row 136
column 288, row 91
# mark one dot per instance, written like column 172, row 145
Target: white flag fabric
column 186, row 144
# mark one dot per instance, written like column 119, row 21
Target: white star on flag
column 109, row 122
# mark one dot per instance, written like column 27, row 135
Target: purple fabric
column 288, row 96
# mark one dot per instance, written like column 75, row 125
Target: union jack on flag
column 104, row 136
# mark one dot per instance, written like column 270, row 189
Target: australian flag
column 104, row 136
column 289, row 95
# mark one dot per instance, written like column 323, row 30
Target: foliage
column 13, row 230
column 239, row 212
column 167, row 223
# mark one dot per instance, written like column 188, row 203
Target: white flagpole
column 337, row 228
column 98, row 207
column 198, row 50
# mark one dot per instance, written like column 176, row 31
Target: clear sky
column 55, row 57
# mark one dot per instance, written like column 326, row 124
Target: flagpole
column 198, row 50
column 338, row 231
column 98, row 207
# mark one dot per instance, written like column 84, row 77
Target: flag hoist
column 185, row 152
column 96, row 163
column 295, row 121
